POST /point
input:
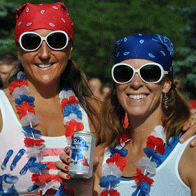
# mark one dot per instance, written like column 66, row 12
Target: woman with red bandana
column 143, row 157
column 47, row 99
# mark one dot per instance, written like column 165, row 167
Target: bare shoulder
column 187, row 168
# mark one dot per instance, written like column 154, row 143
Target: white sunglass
column 31, row 41
column 150, row 73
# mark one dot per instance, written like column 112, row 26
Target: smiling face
column 138, row 98
column 44, row 66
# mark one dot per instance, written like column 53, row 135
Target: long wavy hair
column 112, row 116
column 73, row 77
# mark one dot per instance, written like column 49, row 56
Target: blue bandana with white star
column 153, row 47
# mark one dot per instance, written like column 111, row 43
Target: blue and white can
column 82, row 155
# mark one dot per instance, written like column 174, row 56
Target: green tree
column 98, row 24
column 185, row 55
column 7, row 13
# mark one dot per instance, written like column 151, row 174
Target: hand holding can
column 82, row 155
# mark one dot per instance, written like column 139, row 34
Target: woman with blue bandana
column 145, row 158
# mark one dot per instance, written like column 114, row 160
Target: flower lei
column 113, row 168
column 25, row 107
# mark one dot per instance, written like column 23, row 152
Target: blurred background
column 98, row 24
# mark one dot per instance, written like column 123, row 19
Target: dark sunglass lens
column 123, row 73
column 57, row 40
column 150, row 73
column 30, row 41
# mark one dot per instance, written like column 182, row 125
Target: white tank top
column 167, row 181
column 12, row 138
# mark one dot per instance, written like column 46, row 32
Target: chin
column 137, row 112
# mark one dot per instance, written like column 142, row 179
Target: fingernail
column 193, row 143
column 181, row 140
column 67, row 149
column 68, row 159
column 68, row 176
column 66, row 167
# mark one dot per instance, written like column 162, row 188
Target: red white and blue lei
column 25, row 107
column 113, row 168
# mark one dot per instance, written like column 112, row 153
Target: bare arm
column 187, row 168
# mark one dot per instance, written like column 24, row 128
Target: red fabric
column 193, row 104
column 120, row 161
column 71, row 100
column 110, row 192
column 43, row 178
column 156, row 143
column 140, row 177
column 72, row 126
column 51, row 165
column 54, row 16
column 17, row 83
column 126, row 121
column 126, row 136
column 24, row 108
column 31, row 142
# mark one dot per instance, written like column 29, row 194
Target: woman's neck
column 45, row 91
column 141, row 128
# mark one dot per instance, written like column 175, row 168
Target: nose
column 136, row 82
column 44, row 51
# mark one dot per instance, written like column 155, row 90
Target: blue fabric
column 29, row 99
column 143, row 189
column 122, row 152
column 109, row 181
column 153, row 47
column 170, row 146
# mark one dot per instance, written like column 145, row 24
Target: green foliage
column 7, row 14
column 185, row 60
column 98, row 24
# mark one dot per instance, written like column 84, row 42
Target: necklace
column 113, row 168
column 72, row 117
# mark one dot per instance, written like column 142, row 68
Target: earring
column 165, row 101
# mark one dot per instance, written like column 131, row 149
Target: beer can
column 82, row 155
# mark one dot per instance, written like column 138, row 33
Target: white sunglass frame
column 43, row 39
column 138, row 71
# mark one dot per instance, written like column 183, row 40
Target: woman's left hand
column 190, row 128
column 81, row 186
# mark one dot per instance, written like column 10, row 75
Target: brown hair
column 8, row 58
column 73, row 77
column 177, row 113
column 112, row 116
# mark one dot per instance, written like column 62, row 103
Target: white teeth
column 136, row 97
column 44, row 66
